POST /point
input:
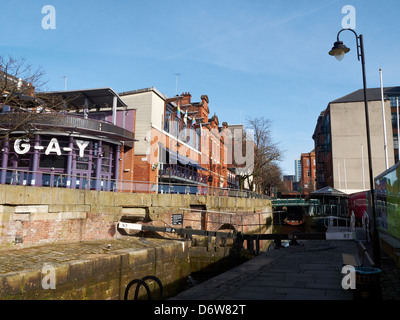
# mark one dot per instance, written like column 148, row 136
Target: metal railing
column 174, row 170
column 65, row 121
column 55, row 179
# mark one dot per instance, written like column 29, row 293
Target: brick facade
column 39, row 215
column 163, row 137
column 308, row 171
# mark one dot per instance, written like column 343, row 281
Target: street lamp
column 338, row 51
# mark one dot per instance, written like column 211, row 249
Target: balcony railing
column 177, row 171
column 58, row 180
column 65, row 121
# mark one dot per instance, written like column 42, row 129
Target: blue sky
column 253, row 58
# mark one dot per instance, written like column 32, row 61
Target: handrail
column 179, row 171
column 66, row 120
column 119, row 185
column 331, row 218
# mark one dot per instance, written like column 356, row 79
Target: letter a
column 49, row 280
column 49, row 20
column 349, row 280
column 349, row 20
column 53, row 147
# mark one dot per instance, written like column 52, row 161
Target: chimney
column 204, row 97
column 186, row 98
column 214, row 121
column 31, row 90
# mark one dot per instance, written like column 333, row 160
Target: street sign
column 131, row 226
column 177, row 219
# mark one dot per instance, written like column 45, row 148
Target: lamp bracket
column 358, row 41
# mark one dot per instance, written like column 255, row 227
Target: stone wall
column 99, row 275
column 39, row 215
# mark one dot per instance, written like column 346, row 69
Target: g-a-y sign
column 22, row 146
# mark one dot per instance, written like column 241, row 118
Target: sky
column 253, row 59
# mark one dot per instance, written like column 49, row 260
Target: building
column 179, row 148
column 297, row 170
column 288, row 182
column 341, row 142
column 82, row 144
column 234, row 169
column 392, row 93
column 308, row 171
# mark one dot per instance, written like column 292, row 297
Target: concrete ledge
column 391, row 246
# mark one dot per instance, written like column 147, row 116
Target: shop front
column 60, row 161
column 70, row 148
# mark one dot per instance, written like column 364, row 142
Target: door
column 200, row 213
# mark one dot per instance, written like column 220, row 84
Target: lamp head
column 339, row 50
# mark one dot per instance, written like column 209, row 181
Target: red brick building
column 308, row 171
column 179, row 147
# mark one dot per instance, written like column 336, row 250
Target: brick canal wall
column 70, row 230
column 92, row 271
column 37, row 215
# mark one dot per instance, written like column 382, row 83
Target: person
column 352, row 221
column 365, row 224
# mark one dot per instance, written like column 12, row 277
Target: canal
column 279, row 224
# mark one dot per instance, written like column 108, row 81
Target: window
column 168, row 119
column 394, row 119
column 393, row 101
column 53, row 161
column 395, row 142
column 198, row 139
column 176, row 127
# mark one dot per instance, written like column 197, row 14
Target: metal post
column 35, row 162
column 384, row 122
column 114, row 111
column 376, row 249
column 4, row 161
column 398, row 129
column 69, row 162
column 117, row 157
column 98, row 166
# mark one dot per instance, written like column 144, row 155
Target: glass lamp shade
column 339, row 55
column 339, row 50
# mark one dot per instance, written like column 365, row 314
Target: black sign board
column 177, row 219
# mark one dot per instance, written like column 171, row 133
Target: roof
column 373, row 94
column 126, row 93
column 99, row 97
column 328, row 191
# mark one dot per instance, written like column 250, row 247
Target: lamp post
column 338, row 51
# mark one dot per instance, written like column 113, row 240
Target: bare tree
column 19, row 80
column 21, row 91
column 266, row 172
